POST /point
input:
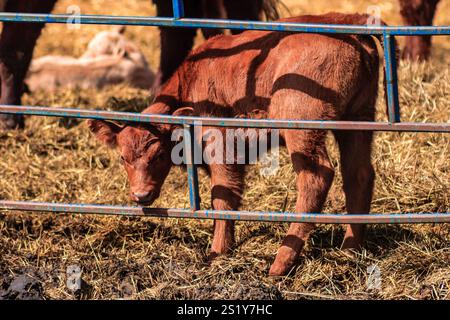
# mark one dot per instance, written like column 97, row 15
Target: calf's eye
column 157, row 157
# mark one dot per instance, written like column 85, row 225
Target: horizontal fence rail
column 227, row 215
column 394, row 123
column 224, row 24
column 226, row 122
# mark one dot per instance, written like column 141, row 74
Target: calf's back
column 286, row 75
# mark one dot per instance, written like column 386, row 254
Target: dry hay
column 58, row 160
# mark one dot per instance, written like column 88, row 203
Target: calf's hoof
column 220, row 249
column 284, row 261
column 10, row 122
column 352, row 244
column 214, row 254
column 277, row 270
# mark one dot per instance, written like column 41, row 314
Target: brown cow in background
column 417, row 13
column 18, row 40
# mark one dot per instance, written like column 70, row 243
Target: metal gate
column 393, row 124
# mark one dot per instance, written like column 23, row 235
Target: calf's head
column 145, row 152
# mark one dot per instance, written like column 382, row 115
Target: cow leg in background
column 243, row 10
column 213, row 9
column 226, row 194
column 176, row 43
column 417, row 13
column 17, row 44
column 238, row 10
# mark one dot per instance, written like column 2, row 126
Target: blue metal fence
column 394, row 123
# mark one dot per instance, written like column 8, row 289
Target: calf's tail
column 271, row 9
column 366, row 19
column 396, row 57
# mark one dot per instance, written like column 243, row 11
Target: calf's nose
column 140, row 196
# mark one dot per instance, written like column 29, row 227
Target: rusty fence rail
column 393, row 124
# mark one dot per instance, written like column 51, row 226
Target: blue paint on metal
column 189, row 142
column 178, row 9
column 226, row 122
column 391, row 78
column 333, row 218
column 227, row 24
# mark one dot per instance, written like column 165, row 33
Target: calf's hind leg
column 315, row 175
column 358, row 177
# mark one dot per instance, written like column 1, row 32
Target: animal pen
column 394, row 122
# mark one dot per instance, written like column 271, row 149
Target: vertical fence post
column 189, row 143
column 178, row 9
column 391, row 78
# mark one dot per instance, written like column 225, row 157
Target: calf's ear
column 186, row 111
column 167, row 128
column 105, row 131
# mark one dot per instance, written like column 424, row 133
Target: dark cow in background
column 418, row 13
column 17, row 43
column 177, row 42
column 18, row 40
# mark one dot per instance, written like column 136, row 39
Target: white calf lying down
column 110, row 59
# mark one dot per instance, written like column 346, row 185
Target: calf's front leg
column 226, row 194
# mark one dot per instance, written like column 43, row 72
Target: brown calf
column 282, row 76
